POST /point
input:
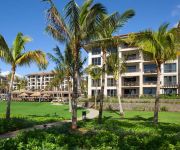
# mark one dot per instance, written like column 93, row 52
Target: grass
column 166, row 117
column 27, row 114
column 36, row 109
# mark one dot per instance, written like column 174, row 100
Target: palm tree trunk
column 156, row 108
column 102, row 87
column 75, row 89
column 95, row 98
column 69, row 95
column 8, row 108
column 121, row 112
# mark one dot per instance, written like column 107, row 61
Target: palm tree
column 74, row 29
column 161, row 47
column 109, row 25
column 117, row 66
column 95, row 73
column 65, row 67
column 64, row 64
column 18, row 56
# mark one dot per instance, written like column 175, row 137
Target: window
column 170, row 67
column 169, row 80
column 96, row 83
column 112, row 93
column 112, row 49
column 170, row 91
column 131, row 68
column 150, row 68
column 96, row 51
column 96, row 61
column 111, row 82
column 150, row 79
column 94, row 91
column 149, row 91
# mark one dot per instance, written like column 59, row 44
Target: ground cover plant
column 130, row 133
column 27, row 114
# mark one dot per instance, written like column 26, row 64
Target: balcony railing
column 132, row 70
column 150, row 82
column 169, row 70
column 131, row 58
column 149, row 70
column 131, row 84
column 171, row 84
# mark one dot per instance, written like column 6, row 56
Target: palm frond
column 18, row 44
column 72, row 14
column 56, row 22
column 29, row 57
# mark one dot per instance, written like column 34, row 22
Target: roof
column 41, row 73
column 97, row 43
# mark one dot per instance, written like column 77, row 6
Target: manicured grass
column 166, row 117
column 27, row 114
column 36, row 109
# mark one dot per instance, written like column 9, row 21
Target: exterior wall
column 137, row 59
column 40, row 81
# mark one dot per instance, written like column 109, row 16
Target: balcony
column 150, row 83
column 170, row 84
column 130, row 70
column 131, row 57
column 130, row 84
column 169, row 70
column 150, row 70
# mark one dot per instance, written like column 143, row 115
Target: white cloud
column 175, row 25
column 5, row 73
column 176, row 11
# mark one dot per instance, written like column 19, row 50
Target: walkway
column 92, row 114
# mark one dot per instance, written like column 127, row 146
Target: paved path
column 92, row 114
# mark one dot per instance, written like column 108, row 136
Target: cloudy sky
column 28, row 16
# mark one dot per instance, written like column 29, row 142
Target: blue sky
column 28, row 17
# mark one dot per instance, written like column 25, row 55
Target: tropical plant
column 117, row 66
column 109, row 25
column 18, row 56
column 95, row 73
column 65, row 68
column 161, row 47
column 75, row 28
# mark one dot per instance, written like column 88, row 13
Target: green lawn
column 36, row 109
column 27, row 114
column 166, row 117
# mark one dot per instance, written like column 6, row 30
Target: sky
column 29, row 17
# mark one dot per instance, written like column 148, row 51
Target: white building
column 140, row 77
column 41, row 81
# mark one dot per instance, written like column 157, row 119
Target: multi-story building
column 41, row 81
column 140, row 77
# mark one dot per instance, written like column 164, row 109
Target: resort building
column 41, row 82
column 140, row 77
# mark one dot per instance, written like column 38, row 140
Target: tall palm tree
column 95, row 72
column 75, row 28
column 117, row 66
column 109, row 25
column 161, row 47
column 18, row 56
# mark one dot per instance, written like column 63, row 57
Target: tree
column 95, row 73
column 76, row 28
column 161, row 47
column 109, row 25
column 65, row 68
column 117, row 66
column 18, row 56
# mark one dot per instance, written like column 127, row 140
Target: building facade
column 41, row 82
column 140, row 77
